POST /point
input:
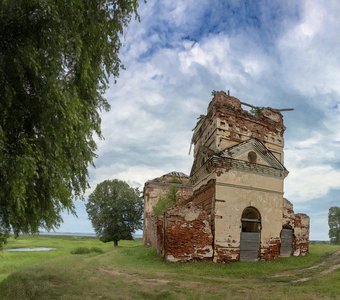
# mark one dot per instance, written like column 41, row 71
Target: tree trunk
column 115, row 243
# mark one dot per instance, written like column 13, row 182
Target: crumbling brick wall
column 300, row 225
column 225, row 180
column 186, row 234
column 226, row 254
column 288, row 216
column 227, row 124
column 203, row 197
column 301, row 235
column 153, row 191
column 236, row 125
column 271, row 250
column 159, row 223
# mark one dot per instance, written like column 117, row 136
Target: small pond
column 30, row 249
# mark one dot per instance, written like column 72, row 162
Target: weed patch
column 86, row 250
column 132, row 271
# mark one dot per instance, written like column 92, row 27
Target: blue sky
column 268, row 53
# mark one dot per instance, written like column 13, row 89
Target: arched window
column 252, row 157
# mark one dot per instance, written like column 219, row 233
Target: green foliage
column 86, row 250
column 256, row 111
column 176, row 180
column 334, row 225
column 3, row 238
column 136, row 272
column 115, row 210
column 12, row 261
column 169, row 200
column 81, row 250
column 96, row 250
column 55, row 61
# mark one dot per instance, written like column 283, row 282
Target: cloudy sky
column 268, row 53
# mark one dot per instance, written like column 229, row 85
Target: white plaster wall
column 203, row 178
column 243, row 190
column 251, row 180
column 259, row 159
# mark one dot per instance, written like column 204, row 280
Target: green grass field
column 133, row 271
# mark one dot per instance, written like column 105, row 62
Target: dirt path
column 326, row 266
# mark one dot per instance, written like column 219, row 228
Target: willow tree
column 56, row 57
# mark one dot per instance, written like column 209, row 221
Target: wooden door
column 249, row 246
column 286, row 242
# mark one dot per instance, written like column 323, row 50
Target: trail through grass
column 133, row 271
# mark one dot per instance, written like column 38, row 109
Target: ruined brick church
column 232, row 207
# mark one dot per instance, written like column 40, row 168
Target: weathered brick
column 187, row 234
column 238, row 165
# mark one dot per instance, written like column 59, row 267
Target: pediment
column 253, row 151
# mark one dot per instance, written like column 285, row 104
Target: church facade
column 232, row 206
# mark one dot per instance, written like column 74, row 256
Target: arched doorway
column 250, row 234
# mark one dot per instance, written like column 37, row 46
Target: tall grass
column 132, row 271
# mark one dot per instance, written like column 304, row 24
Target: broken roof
column 167, row 177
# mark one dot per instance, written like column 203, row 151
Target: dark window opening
column 252, row 157
column 251, row 220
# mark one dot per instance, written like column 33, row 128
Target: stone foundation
column 271, row 250
column 226, row 254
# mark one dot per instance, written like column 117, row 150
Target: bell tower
column 227, row 124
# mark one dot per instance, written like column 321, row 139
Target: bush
column 166, row 202
column 176, row 180
column 81, row 250
column 85, row 250
column 97, row 250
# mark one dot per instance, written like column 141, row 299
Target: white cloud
column 210, row 53
column 311, row 182
column 170, row 76
column 135, row 176
column 309, row 50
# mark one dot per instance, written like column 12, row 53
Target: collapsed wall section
column 154, row 190
column 301, row 235
column 238, row 168
column 299, row 223
column 288, row 216
column 204, row 197
column 185, row 234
